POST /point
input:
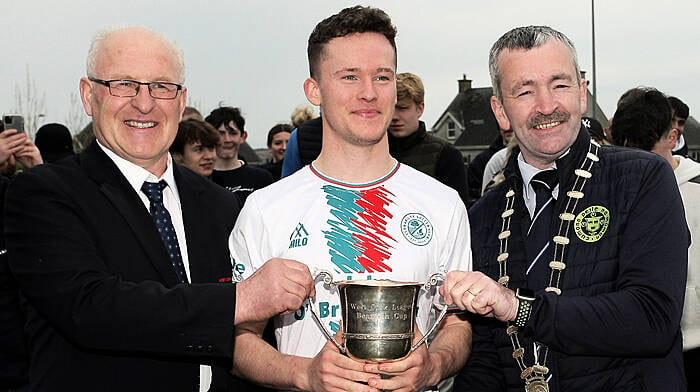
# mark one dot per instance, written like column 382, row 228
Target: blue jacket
column 616, row 325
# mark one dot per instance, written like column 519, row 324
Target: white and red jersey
column 404, row 226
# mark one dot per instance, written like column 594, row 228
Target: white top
column 495, row 164
column 404, row 227
column 690, row 193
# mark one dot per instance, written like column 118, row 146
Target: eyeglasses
column 130, row 88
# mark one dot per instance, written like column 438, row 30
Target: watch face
column 525, row 294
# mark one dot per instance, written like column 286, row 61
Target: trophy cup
column 378, row 316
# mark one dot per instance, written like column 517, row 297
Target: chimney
column 464, row 84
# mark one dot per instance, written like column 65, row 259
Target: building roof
column 472, row 110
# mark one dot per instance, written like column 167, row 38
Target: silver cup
column 378, row 316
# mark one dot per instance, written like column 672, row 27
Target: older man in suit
column 118, row 298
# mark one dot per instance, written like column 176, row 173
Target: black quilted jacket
column 615, row 326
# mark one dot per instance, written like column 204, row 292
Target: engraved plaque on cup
column 378, row 317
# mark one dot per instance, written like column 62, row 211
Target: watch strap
column 524, row 308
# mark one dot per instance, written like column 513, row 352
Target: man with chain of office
column 579, row 283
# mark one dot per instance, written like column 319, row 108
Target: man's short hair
column 357, row 19
column 641, row 118
column 409, row 86
column 224, row 115
column 194, row 131
column 680, row 109
column 526, row 38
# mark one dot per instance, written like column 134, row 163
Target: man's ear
column 672, row 138
column 500, row 113
column 421, row 108
column 584, row 95
column 312, row 91
column 183, row 101
column 244, row 136
column 177, row 157
column 86, row 95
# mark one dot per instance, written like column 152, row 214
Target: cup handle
column 327, row 280
column 432, row 281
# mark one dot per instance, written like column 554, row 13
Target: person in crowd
column 493, row 171
column 194, row 146
column 681, row 112
column 277, row 139
column 645, row 120
column 302, row 114
column 344, row 213
column 120, row 255
column 14, row 357
column 229, row 171
column 191, row 112
column 581, row 274
column 412, row 145
column 54, row 142
column 595, row 129
column 17, row 147
column 304, row 143
column 303, row 146
column 477, row 166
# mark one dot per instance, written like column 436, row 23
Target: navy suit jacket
column 104, row 309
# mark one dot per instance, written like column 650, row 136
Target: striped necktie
column 540, row 234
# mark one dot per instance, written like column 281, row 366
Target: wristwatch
column 525, row 298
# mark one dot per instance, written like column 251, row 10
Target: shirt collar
column 136, row 175
column 527, row 172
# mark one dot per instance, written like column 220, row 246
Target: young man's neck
column 355, row 164
column 227, row 164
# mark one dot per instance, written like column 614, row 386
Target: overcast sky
column 252, row 54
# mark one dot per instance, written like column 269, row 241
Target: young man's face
column 678, row 123
column 406, row 118
column 230, row 140
column 542, row 100
column 356, row 88
column 197, row 158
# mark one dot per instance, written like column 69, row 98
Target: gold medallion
column 536, row 384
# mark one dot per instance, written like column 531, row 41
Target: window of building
column 451, row 130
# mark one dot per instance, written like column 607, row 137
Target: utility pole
column 595, row 78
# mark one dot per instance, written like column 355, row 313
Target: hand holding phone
column 13, row 121
column 11, row 142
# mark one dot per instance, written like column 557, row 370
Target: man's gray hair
column 526, row 38
column 103, row 34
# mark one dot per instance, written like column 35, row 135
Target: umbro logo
column 299, row 237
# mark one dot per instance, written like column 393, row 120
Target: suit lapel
column 199, row 234
column 119, row 192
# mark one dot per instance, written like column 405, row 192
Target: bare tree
column 30, row 104
column 76, row 118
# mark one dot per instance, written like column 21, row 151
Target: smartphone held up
column 13, row 121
